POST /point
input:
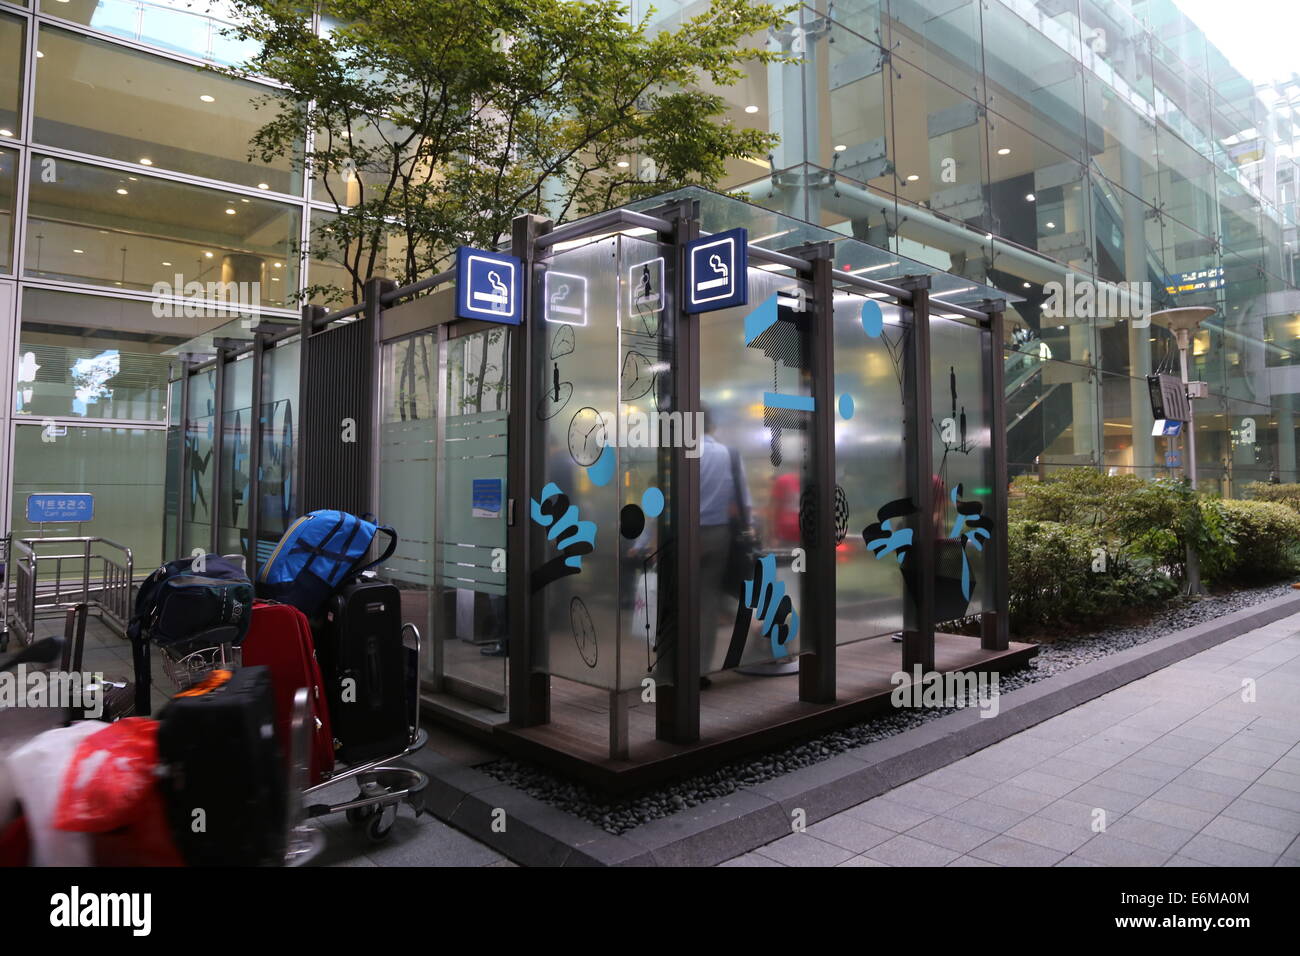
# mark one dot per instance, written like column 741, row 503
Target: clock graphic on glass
column 586, row 436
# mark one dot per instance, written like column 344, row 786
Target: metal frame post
column 255, row 450
column 918, row 641
column 182, row 491
column 374, row 290
column 529, row 690
column 995, row 622
column 218, row 447
column 817, row 669
column 677, row 706
column 306, row 325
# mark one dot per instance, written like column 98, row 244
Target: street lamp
column 1183, row 322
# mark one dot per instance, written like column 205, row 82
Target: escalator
column 1037, row 411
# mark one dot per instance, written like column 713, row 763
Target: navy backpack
column 188, row 603
column 319, row 552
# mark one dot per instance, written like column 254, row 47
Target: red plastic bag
column 111, row 778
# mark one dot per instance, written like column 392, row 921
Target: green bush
column 1288, row 495
column 1267, row 541
column 1065, row 576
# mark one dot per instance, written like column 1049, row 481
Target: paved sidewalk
column 1179, row 768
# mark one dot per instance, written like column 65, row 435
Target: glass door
column 443, row 454
column 471, row 628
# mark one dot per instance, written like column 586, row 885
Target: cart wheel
column 380, row 826
column 357, row 816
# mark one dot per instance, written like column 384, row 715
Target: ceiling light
column 751, row 109
column 623, row 164
column 121, row 191
column 134, row 179
column 1030, row 198
column 841, row 147
column 1051, row 225
column 1004, row 151
column 208, row 99
column 277, row 264
column 263, row 186
column 245, row 200
column 146, row 161
column 230, row 212
column 1026, row 285
column 913, row 178
column 6, row 132
column 40, row 55
column 275, row 279
column 207, row 255
column 79, row 251
column 167, row 263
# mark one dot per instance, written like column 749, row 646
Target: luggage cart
column 381, row 787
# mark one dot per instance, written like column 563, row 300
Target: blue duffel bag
column 318, row 553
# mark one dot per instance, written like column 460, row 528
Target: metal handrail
column 31, row 596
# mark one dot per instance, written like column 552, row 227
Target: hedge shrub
column 1288, row 495
column 1267, row 541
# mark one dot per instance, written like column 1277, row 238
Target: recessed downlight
column 913, row 178
column 207, row 255
column 751, row 109
column 208, row 99
column 1051, row 225
column 167, row 263
column 841, row 147
column 79, row 251
column 623, row 164
column 146, row 161
column 6, row 132
column 122, row 191
column 1004, row 151
column 263, row 185
column 1030, row 197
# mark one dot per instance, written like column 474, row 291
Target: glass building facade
column 1013, row 143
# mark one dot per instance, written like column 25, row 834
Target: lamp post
column 1183, row 322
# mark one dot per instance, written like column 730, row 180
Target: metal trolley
column 381, row 787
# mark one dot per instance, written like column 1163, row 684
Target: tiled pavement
column 1180, row 769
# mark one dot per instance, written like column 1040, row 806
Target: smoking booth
column 672, row 482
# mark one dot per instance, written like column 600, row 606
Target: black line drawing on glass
column 584, row 632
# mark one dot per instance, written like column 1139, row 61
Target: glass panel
column 237, row 426
column 12, row 55
column 8, row 197
column 870, row 467
column 578, row 574
column 95, row 356
column 90, row 224
column 962, row 484
column 329, row 281
column 278, row 485
column 153, row 111
column 471, row 517
column 646, row 556
column 408, row 443
column 185, row 26
column 76, row 333
column 122, row 467
column 196, row 491
column 758, row 409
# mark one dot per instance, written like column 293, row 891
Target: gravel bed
column 618, row 815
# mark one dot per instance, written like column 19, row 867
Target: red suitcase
column 279, row 638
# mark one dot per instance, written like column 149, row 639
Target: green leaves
column 436, row 123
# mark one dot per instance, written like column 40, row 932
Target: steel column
column 218, row 444
column 918, row 639
column 529, row 691
column 255, row 450
column 817, row 669
column 994, row 623
column 677, row 707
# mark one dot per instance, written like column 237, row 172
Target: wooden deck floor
column 738, row 713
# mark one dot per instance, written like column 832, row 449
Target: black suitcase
column 364, row 667
column 224, row 781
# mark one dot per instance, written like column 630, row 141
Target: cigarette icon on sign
column 499, row 298
column 720, row 268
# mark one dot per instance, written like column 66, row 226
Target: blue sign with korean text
column 717, row 271
column 1167, row 427
column 60, row 507
column 489, row 286
column 485, row 501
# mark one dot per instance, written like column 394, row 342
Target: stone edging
column 537, row 834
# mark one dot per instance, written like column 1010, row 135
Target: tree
column 436, row 122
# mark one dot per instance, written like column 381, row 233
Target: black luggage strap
column 388, row 552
